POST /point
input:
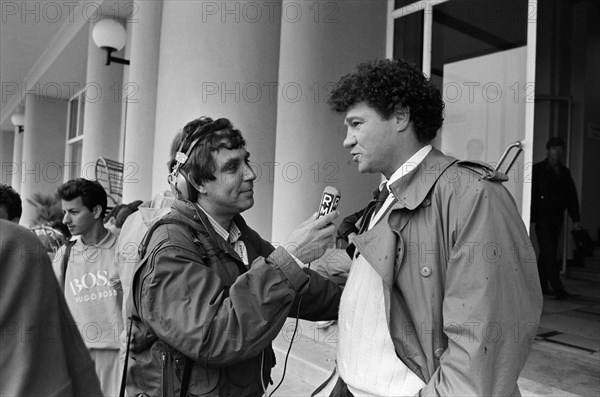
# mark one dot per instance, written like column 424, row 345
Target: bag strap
column 124, row 375
column 185, row 379
column 68, row 246
column 165, row 221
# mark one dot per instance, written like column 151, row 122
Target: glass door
column 481, row 54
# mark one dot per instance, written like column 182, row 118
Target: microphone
column 329, row 200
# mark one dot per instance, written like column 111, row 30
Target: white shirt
column 404, row 169
column 366, row 357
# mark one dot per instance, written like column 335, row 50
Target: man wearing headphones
column 209, row 293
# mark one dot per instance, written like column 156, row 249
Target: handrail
column 515, row 145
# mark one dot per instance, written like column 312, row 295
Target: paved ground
column 565, row 360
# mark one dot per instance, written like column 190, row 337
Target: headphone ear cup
column 182, row 186
column 179, row 186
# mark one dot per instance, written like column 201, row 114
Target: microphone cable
column 287, row 354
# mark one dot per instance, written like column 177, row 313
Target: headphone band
column 200, row 128
column 181, row 158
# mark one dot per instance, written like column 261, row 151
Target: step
column 584, row 273
column 592, row 262
column 312, row 358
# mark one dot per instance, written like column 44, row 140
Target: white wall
column 489, row 115
column 43, row 149
column 317, row 49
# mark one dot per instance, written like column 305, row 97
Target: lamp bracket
column 110, row 58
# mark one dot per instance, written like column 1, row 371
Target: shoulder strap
column 164, row 221
column 68, row 246
column 124, row 375
column 185, row 379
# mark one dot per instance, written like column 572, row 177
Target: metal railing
column 110, row 175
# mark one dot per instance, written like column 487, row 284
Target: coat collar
column 412, row 189
column 379, row 245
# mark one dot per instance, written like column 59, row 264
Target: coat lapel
column 378, row 246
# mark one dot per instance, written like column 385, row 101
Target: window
column 74, row 136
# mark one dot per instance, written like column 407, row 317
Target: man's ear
column 97, row 211
column 402, row 115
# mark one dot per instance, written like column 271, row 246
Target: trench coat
column 462, row 294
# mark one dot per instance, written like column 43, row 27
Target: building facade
column 510, row 71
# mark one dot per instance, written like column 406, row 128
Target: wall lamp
column 18, row 120
column 110, row 36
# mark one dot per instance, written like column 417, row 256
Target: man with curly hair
column 443, row 297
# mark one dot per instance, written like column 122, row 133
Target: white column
column 102, row 117
column 7, row 143
column 141, row 104
column 17, row 160
column 220, row 59
column 320, row 42
column 43, row 149
column 8, row 167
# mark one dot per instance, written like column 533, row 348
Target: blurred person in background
column 552, row 193
column 115, row 219
column 10, row 204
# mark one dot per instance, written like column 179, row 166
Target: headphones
column 179, row 181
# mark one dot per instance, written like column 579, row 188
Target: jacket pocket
column 203, row 381
column 246, row 374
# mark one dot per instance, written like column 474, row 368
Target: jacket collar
column 190, row 211
column 379, row 245
column 412, row 188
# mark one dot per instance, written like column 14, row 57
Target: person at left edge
column 210, row 295
column 42, row 353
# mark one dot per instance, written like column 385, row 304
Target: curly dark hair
column 383, row 84
column 91, row 192
column 10, row 199
column 206, row 136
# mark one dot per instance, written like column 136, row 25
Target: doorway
column 481, row 54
